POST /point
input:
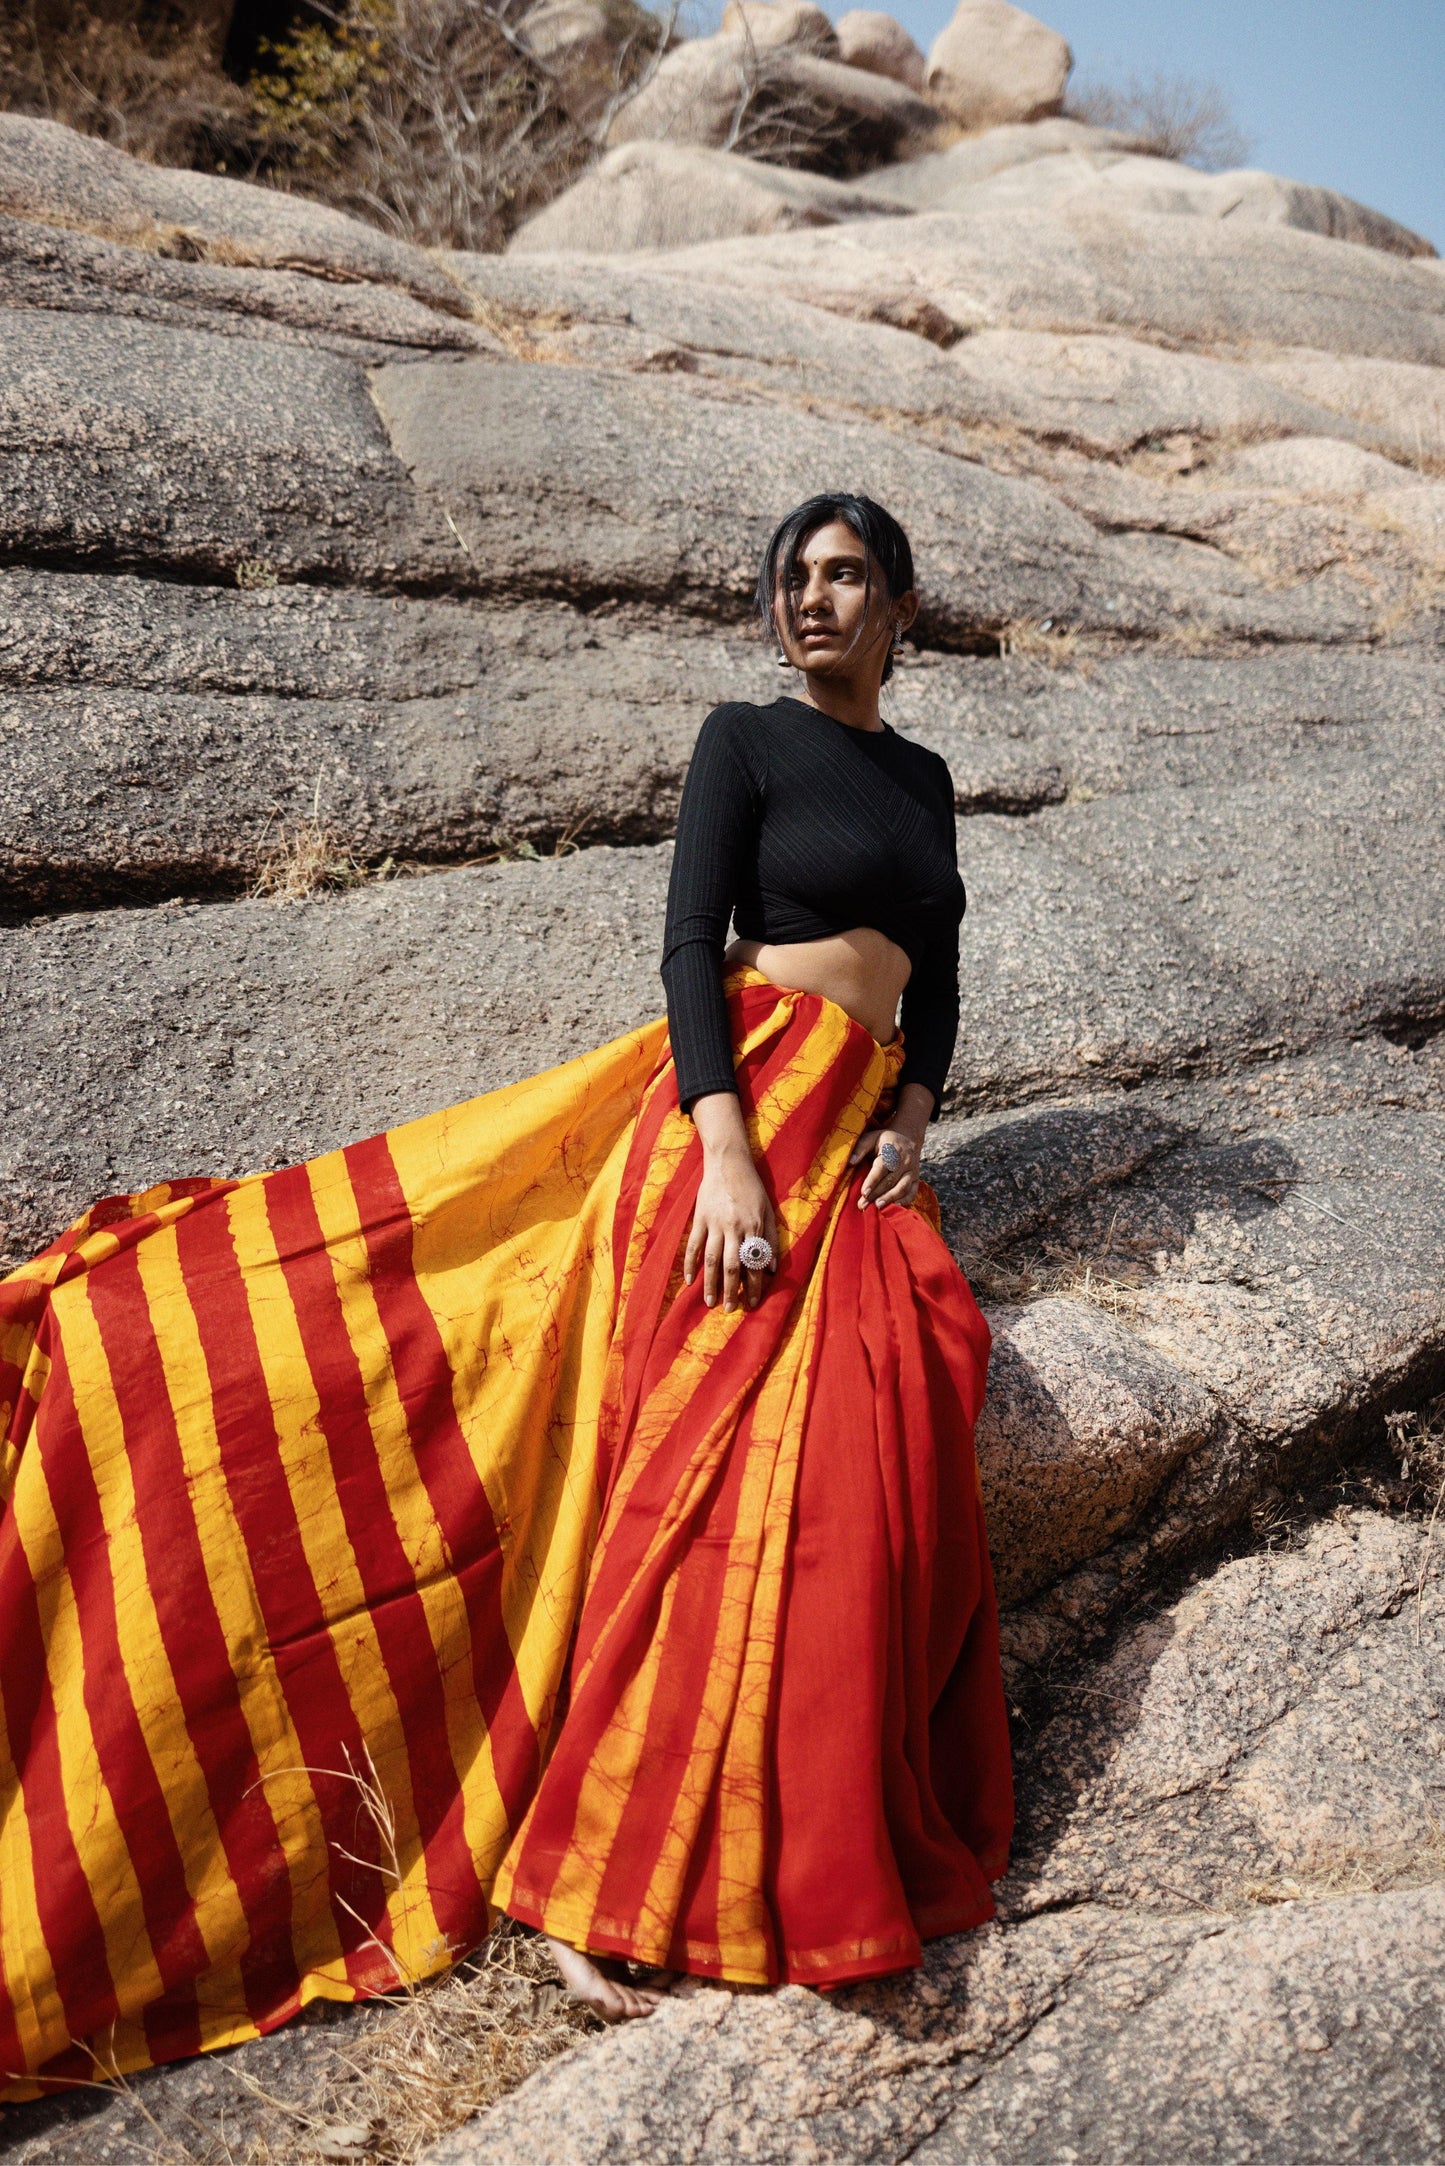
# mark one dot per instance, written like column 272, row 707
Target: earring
column 898, row 642
column 781, row 660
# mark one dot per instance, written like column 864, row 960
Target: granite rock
column 992, row 64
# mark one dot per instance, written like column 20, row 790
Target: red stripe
column 388, row 1578
column 458, row 1497
column 137, row 1800
column 649, row 1812
column 299, row 1643
column 194, row 1639
column 67, row 1914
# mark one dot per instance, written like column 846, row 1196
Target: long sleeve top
column 795, row 827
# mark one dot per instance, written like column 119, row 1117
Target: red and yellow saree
column 328, row 1490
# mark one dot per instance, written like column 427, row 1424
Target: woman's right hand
column 731, row 1204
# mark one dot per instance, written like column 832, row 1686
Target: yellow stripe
column 742, row 1789
column 512, row 1200
column 288, row 1789
column 603, row 1792
column 443, row 1605
column 296, row 1412
column 672, row 1395
column 90, row 1811
column 149, row 1680
column 24, row 1957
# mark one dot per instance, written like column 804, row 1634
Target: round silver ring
column 755, row 1254
column 890, row 1156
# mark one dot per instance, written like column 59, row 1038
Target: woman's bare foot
column 613, row 1998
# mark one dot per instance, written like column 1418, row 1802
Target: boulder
column 1193, row 281
column 778, row 103
column 879, row 44
column 1101, row 394
column 183, row 1041
column 51, row 175
column 768, row 24
column 940, row 179
column 506, row 478
column 992, row 63
column 1083, row 973
column 1097, row 178
column 569, row 482
column 128, row 445
column 1081, row 1427
column 667, row 195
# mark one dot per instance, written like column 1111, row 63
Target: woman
column 564, row 1503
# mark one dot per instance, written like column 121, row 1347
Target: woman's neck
column 844, row 701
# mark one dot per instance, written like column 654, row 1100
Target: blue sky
column 1350, row 93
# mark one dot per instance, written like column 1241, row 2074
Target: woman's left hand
column 893, row 1175
column 889, row 1180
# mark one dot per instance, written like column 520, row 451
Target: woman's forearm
column 718, row 1119
column 914, row 1111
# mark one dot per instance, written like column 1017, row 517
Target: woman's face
column 837, row 628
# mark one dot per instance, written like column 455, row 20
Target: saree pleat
column 330, row 1493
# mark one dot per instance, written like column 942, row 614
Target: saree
column 394, row 1538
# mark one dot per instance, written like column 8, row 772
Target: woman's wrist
column 718, row 1119
column 913, row 1112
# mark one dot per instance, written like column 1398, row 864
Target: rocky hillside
column 360, row 606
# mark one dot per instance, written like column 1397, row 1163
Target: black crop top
column 797, row 826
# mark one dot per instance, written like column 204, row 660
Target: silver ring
column 755, row 1254
column 890, row 1155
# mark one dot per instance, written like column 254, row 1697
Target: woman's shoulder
column 927, row 768
column 737, row 731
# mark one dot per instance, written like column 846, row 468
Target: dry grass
column 434, row 119
column 1109, row 1277
column 1042, row 640
column 310, row 858
column 448, row 2051
column 1362, row 1872
column 417, row 2064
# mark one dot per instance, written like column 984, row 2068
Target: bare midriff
column 863, row 972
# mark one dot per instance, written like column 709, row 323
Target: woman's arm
column 716, row 829
column 894, row 1179
column 731, row 1204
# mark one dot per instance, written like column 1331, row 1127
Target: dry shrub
column 1169, row 116
column 1042, row 640
column 144, row 81
column 309, row 858
column 433, row 118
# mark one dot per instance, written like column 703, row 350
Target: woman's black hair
column 884, row 542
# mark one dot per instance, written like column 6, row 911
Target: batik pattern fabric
column 394, row 1537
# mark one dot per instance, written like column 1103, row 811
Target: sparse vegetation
column 434, row 119
column 142, row 80
column 309, row 858
column 1043, row 640
column 1170, row 116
